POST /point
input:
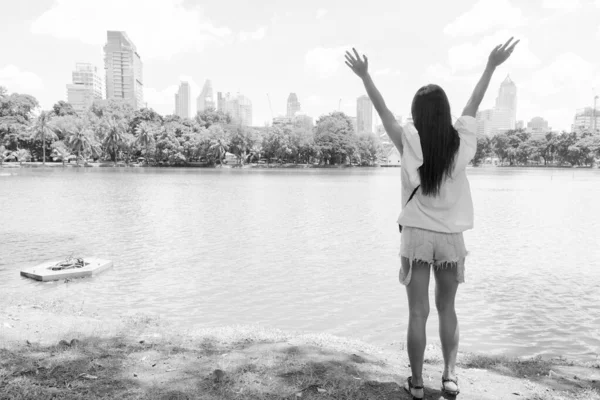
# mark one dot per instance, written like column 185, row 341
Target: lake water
column 311, row 250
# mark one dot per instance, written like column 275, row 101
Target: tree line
column 518, row 147
column 113, row 130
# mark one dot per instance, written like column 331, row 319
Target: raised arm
column 497, row 57
column 360, row 68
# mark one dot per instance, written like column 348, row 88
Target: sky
column 266, row 49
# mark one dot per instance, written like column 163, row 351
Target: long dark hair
column 439, row 140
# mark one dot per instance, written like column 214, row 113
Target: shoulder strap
column 412, row 195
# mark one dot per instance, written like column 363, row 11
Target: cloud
column 468, row 56
column 325, row 62
column 256, row 35
column 159, row 31
column 568, row 72
column 16, row 80
column 568, row 76
column 314, row 100
column 565, row 5
column 321, row 12
column 385, row 71
column 484, row 16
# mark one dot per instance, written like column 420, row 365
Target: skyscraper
column 293, row 105
column 505, row 111
column 586, row 120
column 238, row 107
column 183, row 106
column 364, row 115
column 484, row 120
column 86, row 87
column 123, row 67
column 205, row 100
column 538, row 125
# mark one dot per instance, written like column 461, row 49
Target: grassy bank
column 47, row 352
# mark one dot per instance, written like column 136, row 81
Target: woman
column 437, row 207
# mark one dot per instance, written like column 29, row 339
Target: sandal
column 411, row 389
column 447, row 391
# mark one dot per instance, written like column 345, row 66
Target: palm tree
column 80, row 139
column 63, row 153
column 43, row 127
column 145, row 137
column 219, row 147
column 115, row 138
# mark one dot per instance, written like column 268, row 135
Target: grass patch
column 146, row 360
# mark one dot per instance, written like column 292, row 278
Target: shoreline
column 49, row 350
column 267, row 166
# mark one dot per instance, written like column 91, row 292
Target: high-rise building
column 205, row 99
column 293, row 105
column 505, row 111
column 364, row 114
column 520, row 124
column 484, row 120
column 538, row 125
column 584, row 120
column 86, row 87
column 123, row 67
column 239, row 107
column 183, row 105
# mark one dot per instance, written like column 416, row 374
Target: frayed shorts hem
column 437, row 249
column 405, row 276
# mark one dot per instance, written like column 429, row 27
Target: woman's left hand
column 360, row 67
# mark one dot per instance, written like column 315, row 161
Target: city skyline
column 554, row 68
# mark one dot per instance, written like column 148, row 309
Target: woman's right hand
column 501, row 53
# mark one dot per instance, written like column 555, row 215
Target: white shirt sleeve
column 412, row 156
column 467, row 132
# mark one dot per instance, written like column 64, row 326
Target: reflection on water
column 312, row 250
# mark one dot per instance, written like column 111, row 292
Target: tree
column 16, row 112
column 144, row 115
column 61, row 152
column 210, row 117
column 369, row 147
column 484, row 145
column 115, row 137
column 334, row 137
column 242, row 140
column 43, row 128
column 219, row 142
column 80, row 139
column 62, row 109
column 146, row 133
column 117, row 109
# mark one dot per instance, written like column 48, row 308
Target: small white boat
column 70, row 268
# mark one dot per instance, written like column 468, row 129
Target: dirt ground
column 49, row 352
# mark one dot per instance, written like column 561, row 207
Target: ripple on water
column 310, row 250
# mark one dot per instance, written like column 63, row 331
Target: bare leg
column 445, row 294
column 418, row 305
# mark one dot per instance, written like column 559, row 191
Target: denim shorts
column 441, row 250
